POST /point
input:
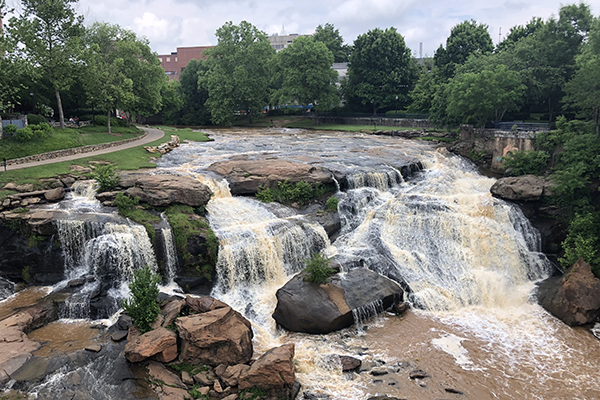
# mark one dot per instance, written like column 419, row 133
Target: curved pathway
column 153, row 134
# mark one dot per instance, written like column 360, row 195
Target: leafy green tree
column 466, row 39
column 304, row 75
column 425, row 89
column 48, row 32
column 519, row 32
column 237, row 78
column 142, row 306
column 583, row 91
column 381, row 71
column 333, row 40
column 526, row 162
column 484, row 95
column 194, row 94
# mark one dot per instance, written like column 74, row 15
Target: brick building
column 175, row 63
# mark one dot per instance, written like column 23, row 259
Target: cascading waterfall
column 378, row 180
column 168, row 241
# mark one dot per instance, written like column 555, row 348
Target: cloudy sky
column 172, row 23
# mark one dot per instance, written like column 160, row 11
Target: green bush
column 142, row 305
column 583, row 240
column 103, row 121
column 317, row 269
column 34, row 119
column 332, row 204
column 526, row 162
column 42, row 130
column 9, row 130
column 128, row 208
column 286, row 192
column 24, row 134
column 106, row 177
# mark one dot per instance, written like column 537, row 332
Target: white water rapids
column 469, row 259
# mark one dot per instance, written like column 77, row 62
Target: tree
column 194, row 95
column 333, row 40
column 49, row 32
column 466, row 39
column 381, row 71
column 305, row 75
column 142, row 306
column 122, row 71
column 485, row 94
column 519, row 32
column 237, row 78
column 583, row 91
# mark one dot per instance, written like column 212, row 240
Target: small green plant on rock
column 254, row 393
column 332, row 204
column 142, row 305
column 317, row 269
column 128, row 208
column 26, row 274
column 196, row 394
column 106, row 177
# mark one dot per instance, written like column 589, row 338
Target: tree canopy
column 237, row 78
column 381, row 70
column 331, row 37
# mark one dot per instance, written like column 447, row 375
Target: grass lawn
column 128, row 159
column 65, row 139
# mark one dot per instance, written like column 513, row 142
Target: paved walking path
column 153, row 134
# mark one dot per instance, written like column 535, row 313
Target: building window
column 168, row 59
column 175, row 59
column 160, row 59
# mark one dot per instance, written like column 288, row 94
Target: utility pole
column 499, row 35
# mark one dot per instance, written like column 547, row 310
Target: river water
column 471, row 262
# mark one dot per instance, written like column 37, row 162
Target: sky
column 169, row 24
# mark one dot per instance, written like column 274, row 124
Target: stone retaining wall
column 69, row 152
column 398, row 122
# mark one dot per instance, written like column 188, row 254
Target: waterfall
column 170, row 252
column 377, row 180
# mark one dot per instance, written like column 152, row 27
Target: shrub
column 286, row 192
column 24, row 134
column 526, row 162
column 106, row 177
column 41, row 130
column 583, row 240
column 332, row 204
column 9, row 130
column 34, row 119
column 142, row 305
column 317, row 269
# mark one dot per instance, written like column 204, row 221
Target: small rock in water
column 379, row 371
column 377, row 380
column 118, row 336
column 95, row 348
column 454, row 391
column 314, row 396
column 418, row 374
column 76, row 282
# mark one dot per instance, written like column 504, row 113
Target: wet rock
column 34, row 369
column 246, row 176
column 312, row 308
column 164, row 190
column 349, row 363
column 76, row 282
column 315, row 396
column 7, row 288
column 151, row 343
column 273, row 370
column 94, row 348
column 171, row 310
column 107, row 196
column 453, row 391
column 384, row 398
column 418, row 374
column 379, row 371
column 219, row 336
column 204, row 304
column 54, row 194
column 399, row 308
column 158, row 372
column 573, row 298
column 124, row 322
column 519, row 188
column 232, row 374
column 118, row 336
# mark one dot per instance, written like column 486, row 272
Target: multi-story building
column 280, row 42
column 175, row 63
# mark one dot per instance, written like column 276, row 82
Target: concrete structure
column 175, row 63
column 280, row 42
column 341, row 68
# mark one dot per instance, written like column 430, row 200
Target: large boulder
column 573, row 298
column 163, row 190
column 519, row 188
column 219, row 336
column 15, row 347
column 246, row 176
column 313, row 308
column 160, row 342
column 273, row 371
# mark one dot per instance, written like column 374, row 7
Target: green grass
column 64, row 139
column 128, row 159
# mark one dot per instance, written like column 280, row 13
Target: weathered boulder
column 312, row 308
column 15, row 346
column 54, row 194
column 519, row 188
column 171, row 310
column 204, row 304
column 219, row 336
column 274, row 370
column 573, row 298
column 163, row 190
column 160, row 342
column 246, row 176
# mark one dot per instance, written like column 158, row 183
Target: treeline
column 541, row 70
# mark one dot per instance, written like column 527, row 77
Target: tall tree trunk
column 317, row 115
column 108, row 121
column 61, row 115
